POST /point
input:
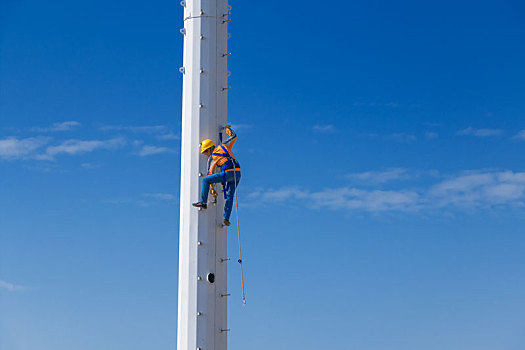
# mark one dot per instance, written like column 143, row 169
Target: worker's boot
column 226, row 222
column 200, row 205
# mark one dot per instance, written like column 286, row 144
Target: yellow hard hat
column 206, row 144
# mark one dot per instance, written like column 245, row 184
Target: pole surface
column 202, row 312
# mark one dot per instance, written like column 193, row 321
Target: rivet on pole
column 182, row 70
column 199, row 243
column 199, row 313
column 201, row 71
column 224, row 330
column 228, row 35
column 226, row 21
column 202, row 37
column 183, row 3
column 228, row 73
column 202, row 13
column 201, row 105
column 199, row 278
column 229, row 7
column 226, row 54
column 225, row 295
column 223, row 259
column 226, row 88
column 183, row 31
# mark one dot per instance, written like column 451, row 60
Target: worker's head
column 207, row 147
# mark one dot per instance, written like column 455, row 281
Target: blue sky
column 383, row 194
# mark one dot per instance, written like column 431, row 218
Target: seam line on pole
column 203, row 16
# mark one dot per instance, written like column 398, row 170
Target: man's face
column 207, row 152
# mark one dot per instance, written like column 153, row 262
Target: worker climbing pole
column 229, row 176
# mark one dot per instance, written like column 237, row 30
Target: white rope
column 239, row 237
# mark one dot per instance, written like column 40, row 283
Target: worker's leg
column 206, row 182
column 233, row 181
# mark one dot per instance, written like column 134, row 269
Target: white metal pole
column 202, row 314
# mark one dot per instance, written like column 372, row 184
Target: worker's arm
column 232, row 136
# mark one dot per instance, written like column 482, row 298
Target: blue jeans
column 231, row 176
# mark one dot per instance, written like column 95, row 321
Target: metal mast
column 202, row 314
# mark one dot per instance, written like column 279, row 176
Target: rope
column 239, row 236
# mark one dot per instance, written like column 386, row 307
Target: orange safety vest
column 224, row 158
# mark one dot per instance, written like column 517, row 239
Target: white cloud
column 10, row 287
column 473, row 190
column 238, row 127
column 168, row 136
column 146, row 200
column 151, row 150
column 161, row 196
column 480, row 189
column 520, row 135
column 345, row 198
column 480, row 132
column 379, row 177
column 148, row 129
column 64, row 126
column 73, row 147
column 127, row 201
column 324, row 129
column 161, row 132
column 14, row 148
column 91, row 165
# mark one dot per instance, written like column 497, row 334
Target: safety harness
column 231, row 163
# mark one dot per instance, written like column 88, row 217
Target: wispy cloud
column 238, row 127
column 148, row 129
column 480, row 189
column 145, row 200
column 161, row 132
column 168, row 136
column 14, row 148
column 64, row 126
column 520, row 135
column 128, row 201
column 380, row 177
column 324, row 128
column 480, row 132
column 470, row 190
column 73, row 147
column 10, row 287
column 161, row 196
column 344, row 198
column 151, row 150
column 91, row 165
